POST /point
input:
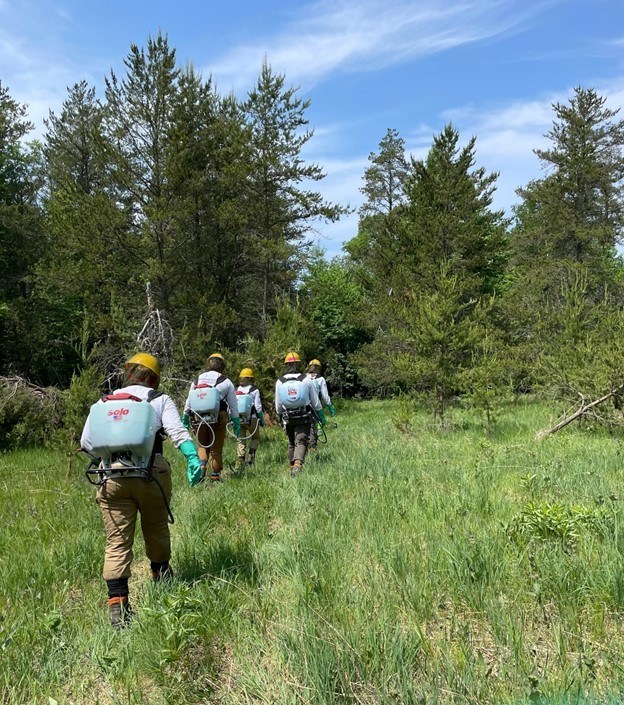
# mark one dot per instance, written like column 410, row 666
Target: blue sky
column 492, row 67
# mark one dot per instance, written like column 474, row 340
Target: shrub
column 29, row 415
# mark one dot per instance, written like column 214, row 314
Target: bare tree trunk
column 581, row 411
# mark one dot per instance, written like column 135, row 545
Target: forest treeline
column 168, row 217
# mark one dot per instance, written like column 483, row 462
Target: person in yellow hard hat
column 211, row 436
column 314, row 373
column 298, row 405
column 124, row 493
column 251, row 429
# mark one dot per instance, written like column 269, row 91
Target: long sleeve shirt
column 313, row 394
column 254, row 392
column 226, row 390
column 166, row 414
column 323, row 392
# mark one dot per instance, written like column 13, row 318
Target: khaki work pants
column 120, row 500
column 254, row 441
column 215, row 451
column 298, row 434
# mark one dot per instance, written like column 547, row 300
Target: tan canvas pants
column 216, row 450
column 120, row 500
column 254, row 441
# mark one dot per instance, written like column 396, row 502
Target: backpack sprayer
column 205, row 402
column 123, row 437
column 246, row 410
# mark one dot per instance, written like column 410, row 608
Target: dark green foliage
column 281, row 210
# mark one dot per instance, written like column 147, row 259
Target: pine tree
column 283, row 210
column 570, row 221
column 137, row 126
column 21, row 238
column 450, row 219
column 377, row 243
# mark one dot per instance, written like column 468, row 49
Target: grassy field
column 418, row 567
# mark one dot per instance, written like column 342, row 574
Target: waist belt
column 115, row 474
column 297, row 414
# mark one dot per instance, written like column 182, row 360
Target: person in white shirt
column 250, row 431
column 314, row 373
column 211, row 436
column 123, row 495
column 298, row 405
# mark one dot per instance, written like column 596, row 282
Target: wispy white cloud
column 507, row 135
column 35, row 61
column 357, row 35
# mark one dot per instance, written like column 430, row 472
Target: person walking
column 314, row 373
column 298, row 405
column 125, row 493
column 251, row 429
column 211, row 436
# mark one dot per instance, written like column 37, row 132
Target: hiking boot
column 295, row 468
column 252, row 458
column 215, row 477
column 120, row 611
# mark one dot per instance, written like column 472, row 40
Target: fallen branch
column 581, row 411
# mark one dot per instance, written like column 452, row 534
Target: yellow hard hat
column 292, row 357
column 146, row 360
column 314, row 362
column 219, row 355
column 247, row 372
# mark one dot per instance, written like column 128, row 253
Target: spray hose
column 320, row 427
column 203, row 422
column 230, row 426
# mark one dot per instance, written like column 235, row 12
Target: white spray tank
column 245, row 406
column 294, row 394
column 205, row 401
column 122, row 423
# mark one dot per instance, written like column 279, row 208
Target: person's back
column 317, row 379
column 123, row 494
column 298, row 405
column 250, row 437
column 211, row 431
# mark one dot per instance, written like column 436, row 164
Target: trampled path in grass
column 422, row 567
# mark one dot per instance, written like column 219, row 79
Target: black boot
column 161, row 572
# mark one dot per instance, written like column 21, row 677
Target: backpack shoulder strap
column 154, row 394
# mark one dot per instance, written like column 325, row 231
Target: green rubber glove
column 186, row 421
column 321, row 414
column 237, row 427
column 261, row 417
column 332, row 411
column 193, row 469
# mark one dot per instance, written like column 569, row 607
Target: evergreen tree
column 570, row 221
column 450, row 219
column 85, row 274
column 376, row 245
column 282, row 209
column 137, row 125
column 21, row 241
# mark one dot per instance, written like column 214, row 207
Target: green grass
column 423, row 567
